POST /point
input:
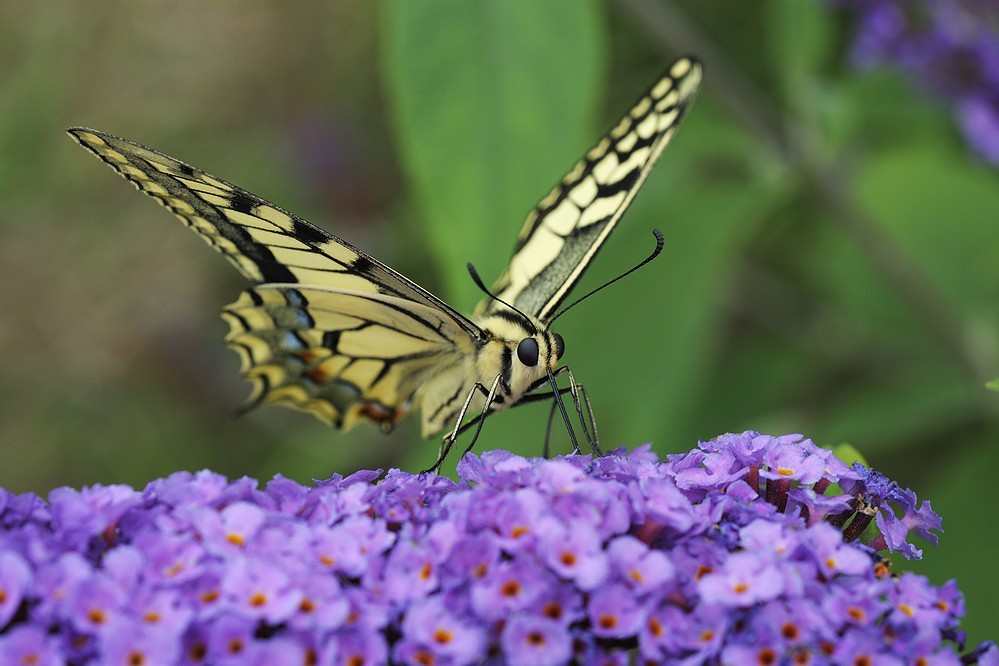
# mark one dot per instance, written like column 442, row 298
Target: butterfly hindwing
column 346, row 355
column 563, row 233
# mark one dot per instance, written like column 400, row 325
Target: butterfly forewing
column 565, row 230
column 264, row 242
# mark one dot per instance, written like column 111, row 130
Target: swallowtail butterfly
column 329, row 329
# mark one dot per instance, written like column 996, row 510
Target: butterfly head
column 534, row 352
column 522, row 346
column 529, row 350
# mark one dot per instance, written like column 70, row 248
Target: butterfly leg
column 579, row 391
column 451, row 438
column 581, row 400
column 595, row 441
column 481, row 418
column 548, row 430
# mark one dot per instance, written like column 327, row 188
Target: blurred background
column 830, row 209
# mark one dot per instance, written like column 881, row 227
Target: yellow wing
column 563, row 233
column 330, row 329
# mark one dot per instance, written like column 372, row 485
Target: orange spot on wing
column 308, row 355
column 317, row 374
column 384, row 416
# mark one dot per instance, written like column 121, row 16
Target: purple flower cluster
column 738, row 552
column 951, row 47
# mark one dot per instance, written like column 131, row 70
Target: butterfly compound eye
column 527, row 352
column 559, row 346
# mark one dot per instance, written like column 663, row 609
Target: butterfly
column 333, row 331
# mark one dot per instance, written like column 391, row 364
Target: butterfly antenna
column 660, row 241
column 478, row 283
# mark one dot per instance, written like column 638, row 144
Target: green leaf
column 992, row 385
column 848, row 454
column 492, row 102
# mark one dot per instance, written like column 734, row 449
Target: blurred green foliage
column 831, row 266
